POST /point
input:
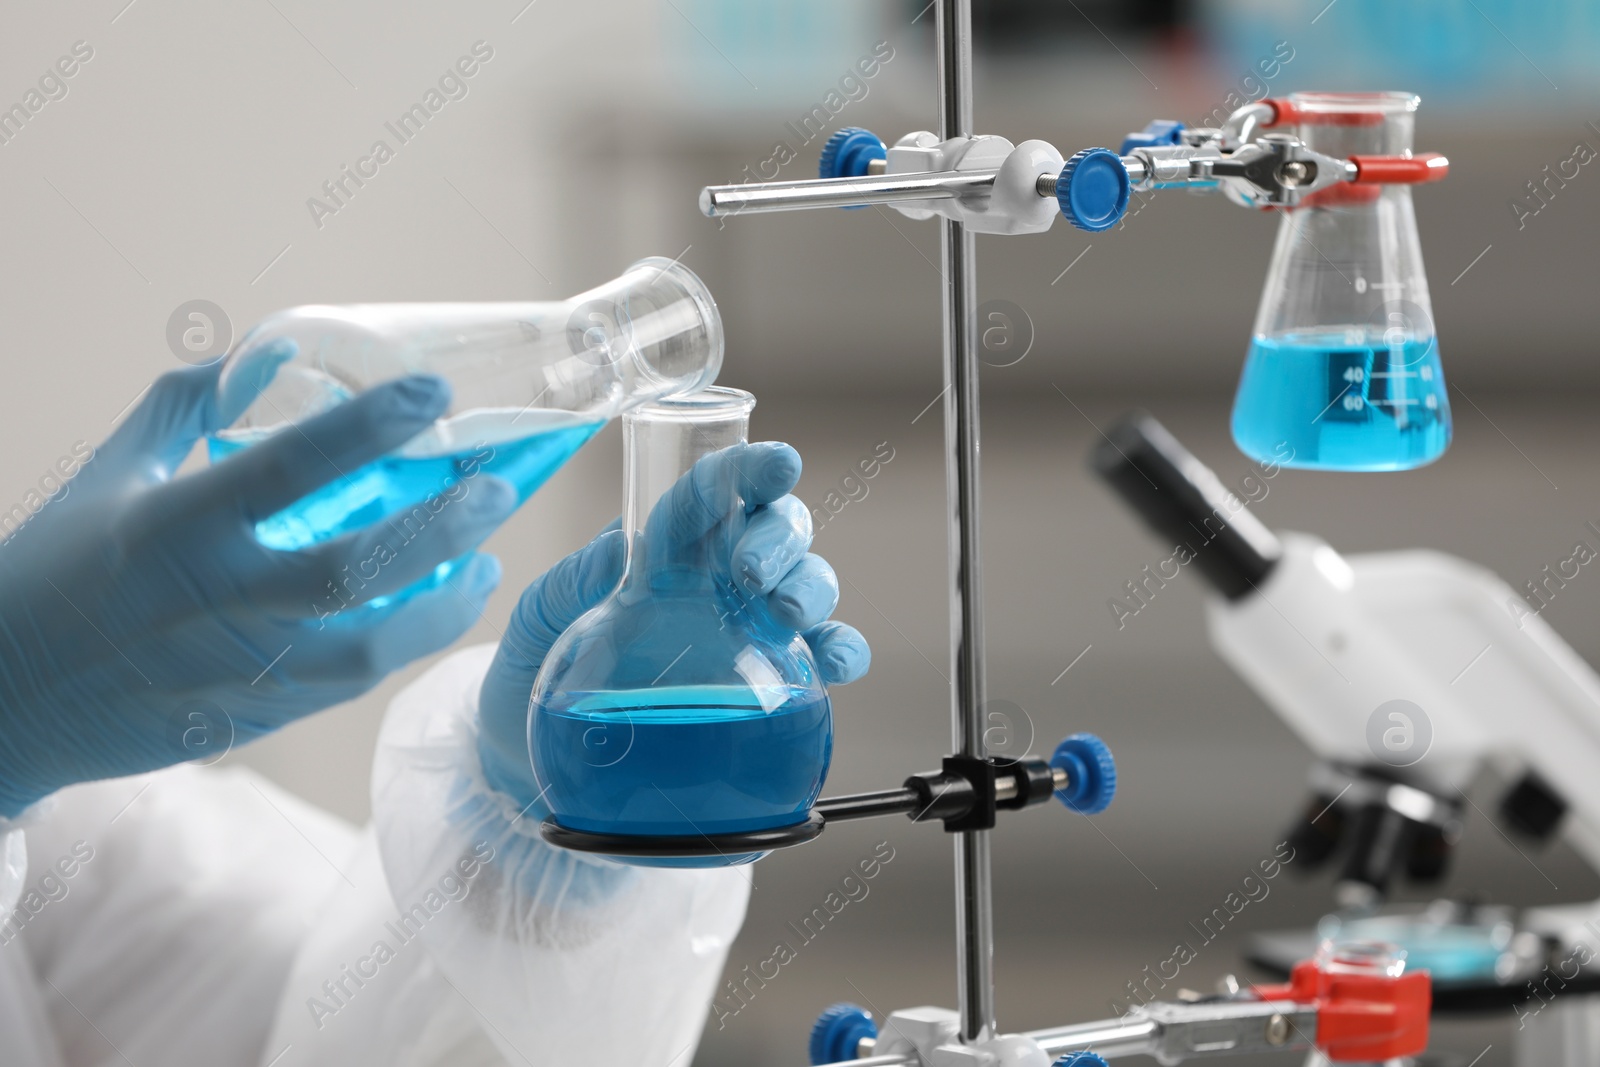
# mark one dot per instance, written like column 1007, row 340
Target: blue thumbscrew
column 1081, row 1058
column 849, row 153
column 1091, row 774
column 1093, row 189
column 837, row 1033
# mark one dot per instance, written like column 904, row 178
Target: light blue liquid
column 393, row 486
column 683, row 760
column 1327, row 402
column 1453, row 952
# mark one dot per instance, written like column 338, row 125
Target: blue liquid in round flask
column 678, row 707
column 1343, row 371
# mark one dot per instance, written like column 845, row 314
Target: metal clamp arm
column 717, row 201
column 1353, row 1002
column 1174, row 1032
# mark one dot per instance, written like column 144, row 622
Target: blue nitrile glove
column 770, row 561
column 141, row 622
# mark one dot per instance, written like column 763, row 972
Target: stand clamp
column 1354, row 1003
column 993, row 186
column 965, row 794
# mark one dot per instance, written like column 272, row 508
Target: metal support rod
column 974, row 898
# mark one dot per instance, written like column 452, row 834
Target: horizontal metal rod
column 1045, row 186
column 868, row 805
column 1110, row 1039
column 880, row 1061
column 718, row 201
column 1006, row 788
column 905, row 801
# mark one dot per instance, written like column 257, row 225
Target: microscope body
column 1420, row 670
column 1491, row 687
column 1411, row 675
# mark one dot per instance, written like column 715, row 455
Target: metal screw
column 1277, row 1030
column 1293, row 173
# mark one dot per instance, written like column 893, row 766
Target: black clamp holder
column 965, row 794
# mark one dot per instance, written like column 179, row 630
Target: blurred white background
column 179, row 164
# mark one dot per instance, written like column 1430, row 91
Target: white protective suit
column 204, row 917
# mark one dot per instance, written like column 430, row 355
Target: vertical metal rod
column 974, row 902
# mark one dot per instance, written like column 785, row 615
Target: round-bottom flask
column 678, row 707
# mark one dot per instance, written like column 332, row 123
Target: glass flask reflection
column 678, row 707
column 530, row 382
column 1343, row 371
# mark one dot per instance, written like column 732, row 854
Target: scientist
column 203, row 916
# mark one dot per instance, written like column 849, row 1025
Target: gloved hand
column 142, row 624
column 770, row 562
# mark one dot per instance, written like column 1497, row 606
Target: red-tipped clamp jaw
column 1364, row 1011
column 1371, row 170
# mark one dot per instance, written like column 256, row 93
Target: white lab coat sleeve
column 159, row 918
column 560, row 958
column 365, row 992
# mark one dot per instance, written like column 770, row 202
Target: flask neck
column 1347, row 271
column 1353, row 124
column 1346, row 124
column 663, row 441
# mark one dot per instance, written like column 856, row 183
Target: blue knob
column 1093, row 189
column 1081, row 1058
column 848, row 153
column 1160, row 132
column 1091, row 775
column 838, row 1031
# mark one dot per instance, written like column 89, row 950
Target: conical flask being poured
column 1343, row 371
column 678, row 708
column 531, row 382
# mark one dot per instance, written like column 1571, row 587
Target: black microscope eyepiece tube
column 1183, row 502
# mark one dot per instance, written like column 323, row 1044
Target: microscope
column 1412, row 675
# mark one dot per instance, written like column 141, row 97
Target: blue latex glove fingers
column 803, row 600
column 388, row 555
column 806, row 595
column 157, row 434
column 841, row 652
column 271, row 475
column 181, row 407
column 774, row 540
column 360, row 647
column 700, row 500
column 766, row 470
column 547, row 607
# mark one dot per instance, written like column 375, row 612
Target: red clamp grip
column 1361, row 1015
column 1399, row 170
column 1284, row 113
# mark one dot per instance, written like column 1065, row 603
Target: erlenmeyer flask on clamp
column 678, row 708
column 1343, row 371
column 531, row 382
